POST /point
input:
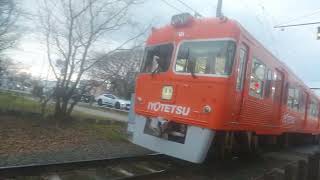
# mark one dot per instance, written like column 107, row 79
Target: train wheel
column 253, row 142
column 217, row 149
column 230, row 144
column 246, row 143
column 224, row 145
column 317, row 140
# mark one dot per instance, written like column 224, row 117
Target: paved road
column 109, row 114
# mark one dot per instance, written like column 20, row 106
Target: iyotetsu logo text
column 168, row 108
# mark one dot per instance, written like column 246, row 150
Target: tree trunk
column 64, row 105
column 61, row 111
column 70, row 109
column 44, row 107
column 62, row 102
column 58, row 112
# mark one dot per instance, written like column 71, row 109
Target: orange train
column 205, row 80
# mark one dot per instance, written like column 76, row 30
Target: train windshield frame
column 205, row 58
column 157, row 58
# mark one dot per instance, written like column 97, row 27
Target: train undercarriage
column 197, row 144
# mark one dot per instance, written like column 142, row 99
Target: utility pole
column 219, row 9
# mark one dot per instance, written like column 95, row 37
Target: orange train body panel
column 232, row 109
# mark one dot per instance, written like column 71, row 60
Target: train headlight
column 167, row 92
column 139, row 99
column 207, row 109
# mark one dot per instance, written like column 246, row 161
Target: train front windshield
column 157, row 58
column 206, row 57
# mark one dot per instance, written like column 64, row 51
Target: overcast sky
column 296, row 46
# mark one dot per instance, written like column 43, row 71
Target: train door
column 277, row 92
column 240, row 79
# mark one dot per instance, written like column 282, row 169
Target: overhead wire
column 289, row 52
column 300, row 17
column 190, row 8
column 265, row 26
column 270, row 20
column 172, row 6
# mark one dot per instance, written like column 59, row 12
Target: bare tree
column 119, row 70
column 8, row 20
column 5, row 65
column 73, row 30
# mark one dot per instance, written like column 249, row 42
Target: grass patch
column 110, row 132
column 18, row 102
column 13, row 101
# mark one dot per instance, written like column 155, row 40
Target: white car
column 114, row 101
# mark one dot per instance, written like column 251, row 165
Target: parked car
column 82, row 97
column 86, row 98
column 113, row 101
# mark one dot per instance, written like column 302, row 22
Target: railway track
column 131, row 167
column 159, row 167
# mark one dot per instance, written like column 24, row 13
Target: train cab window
column 293, row 98
column 313, row 110
column 257, row 78
column 205, row 57
column 157, row 58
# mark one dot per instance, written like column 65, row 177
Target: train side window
column 241, row 68
column 313, row 110
column 257, row 78
column 268, row 83
column 273, row 89
column 303, row 98
column 293, row 98
column 285, row 95
column 276, row 85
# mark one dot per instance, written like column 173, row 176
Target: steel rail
column 38, row 169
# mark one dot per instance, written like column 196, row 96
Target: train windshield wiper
column 191, row 64
column 155, row 71
column 158, row 68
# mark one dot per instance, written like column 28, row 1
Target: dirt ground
column 26, row 141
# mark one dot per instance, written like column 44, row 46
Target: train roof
column 204, row 28
column 198, row 28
